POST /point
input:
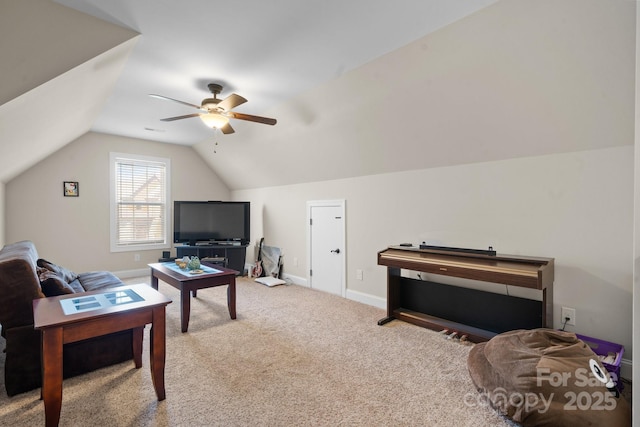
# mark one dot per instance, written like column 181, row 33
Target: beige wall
column 575, row 207
column 74, row 232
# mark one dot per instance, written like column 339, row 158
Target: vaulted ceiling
column 340, row 77
column 79, row 65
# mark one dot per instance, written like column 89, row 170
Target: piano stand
column 385, row 320
column 477, row 314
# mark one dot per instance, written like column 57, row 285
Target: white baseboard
column 128, row 274
column 367, row 299
column 352, row 295
column 296, row 280
column 626, row 369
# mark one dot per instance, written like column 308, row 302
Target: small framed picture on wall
column 71, row 189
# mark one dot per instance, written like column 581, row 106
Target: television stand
column 235, row 254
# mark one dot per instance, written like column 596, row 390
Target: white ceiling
column 266, row 51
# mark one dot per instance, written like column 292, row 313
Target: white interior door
column 327, row 246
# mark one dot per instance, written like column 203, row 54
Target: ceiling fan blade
column 175, row 100
column 231, row 101
column 170, row 119
column 227, row 129
column 249, row 117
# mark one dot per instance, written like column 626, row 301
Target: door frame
column 340, row 203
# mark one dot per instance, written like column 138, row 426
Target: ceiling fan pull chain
column 215, row 143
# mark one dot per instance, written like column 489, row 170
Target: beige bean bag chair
column 544, row 377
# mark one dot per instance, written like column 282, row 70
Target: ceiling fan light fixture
column 214, row 120
column 210, row 103
column 215, row 113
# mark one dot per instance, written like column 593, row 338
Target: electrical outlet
column 295, row 261
column 136, row 257
column 568, row 313
column 359, row 274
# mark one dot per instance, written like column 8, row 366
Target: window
column 139, row 208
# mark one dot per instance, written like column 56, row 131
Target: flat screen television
column 216, row 222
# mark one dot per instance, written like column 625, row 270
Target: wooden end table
column 190, row 283
column 70, row 318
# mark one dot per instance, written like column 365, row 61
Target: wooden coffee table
column 190, row 283
column 70, row 318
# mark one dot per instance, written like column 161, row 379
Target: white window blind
column 139, row 202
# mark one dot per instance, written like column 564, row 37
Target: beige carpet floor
column 293, row 357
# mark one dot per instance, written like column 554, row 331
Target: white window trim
column 112, row 204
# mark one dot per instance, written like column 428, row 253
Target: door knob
column 337, row 251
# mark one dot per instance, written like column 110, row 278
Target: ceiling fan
column 215, row 113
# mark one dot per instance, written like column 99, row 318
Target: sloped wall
column 519, row 78
column 74, row 231
column 43, row 42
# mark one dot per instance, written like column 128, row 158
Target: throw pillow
column 53, row 285
column 65, row 274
